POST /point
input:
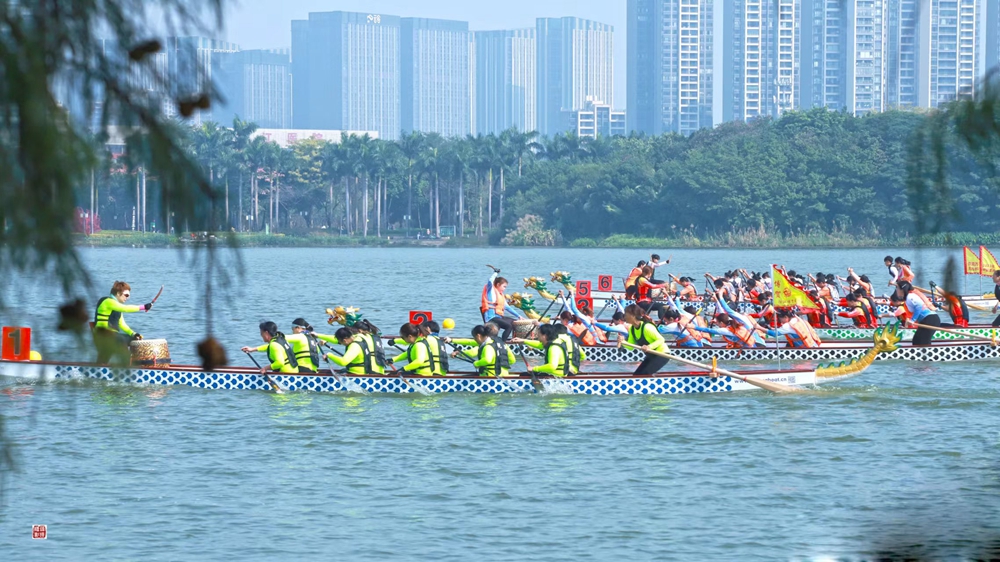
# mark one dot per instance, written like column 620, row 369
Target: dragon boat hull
column 949, row 351
column 236, row 378
column 852, row 333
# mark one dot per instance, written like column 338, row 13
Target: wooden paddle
column 340, row 379
column 535, row 385
column 274, row 386
column 992, row 340
column 766, row 385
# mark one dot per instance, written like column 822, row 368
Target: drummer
column 111, row 334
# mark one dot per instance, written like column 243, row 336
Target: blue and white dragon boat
column 241, row 378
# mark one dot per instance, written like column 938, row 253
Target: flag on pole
column 987, row 263
column 971, row 261
column 787, row 295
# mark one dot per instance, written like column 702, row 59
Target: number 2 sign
column 16, row 345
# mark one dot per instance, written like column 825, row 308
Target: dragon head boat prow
column 343, row 316
column 886, row 340
column 563, row 278
column 540, row 285
column 525, row 303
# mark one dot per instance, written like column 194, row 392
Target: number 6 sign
column 16, row 345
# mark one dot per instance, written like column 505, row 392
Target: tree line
column 815, row 171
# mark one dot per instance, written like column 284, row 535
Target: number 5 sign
column 16, row 345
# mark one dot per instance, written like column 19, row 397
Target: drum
column 150, row 353
column 658, row 293
column 523, row 328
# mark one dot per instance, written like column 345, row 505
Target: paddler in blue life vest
column 111, row 334
column 279, row 351
column 305, row 346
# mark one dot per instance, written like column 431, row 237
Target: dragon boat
column 602, row 299
column 241, row 378
column 944, row 351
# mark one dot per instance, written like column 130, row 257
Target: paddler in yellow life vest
column 279, row 351
column 437, row 358
column 360, row 356
column 493, row 357
column 305, row 346
column 111, row 334
column 417, row 354
column 642, row 332
column 563, row 355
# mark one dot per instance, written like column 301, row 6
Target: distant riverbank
column 748, row 239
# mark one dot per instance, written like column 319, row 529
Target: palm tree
column 242, row 131
column 211, row 147
column 333, row 168
column 459, row 160
column 412, row 146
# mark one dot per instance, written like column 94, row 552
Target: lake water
column 904, row 459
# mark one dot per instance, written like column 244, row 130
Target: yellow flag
column 787, row 295
column 971, row 261
column 987, row 263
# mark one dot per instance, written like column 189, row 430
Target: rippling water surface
column 903, row 459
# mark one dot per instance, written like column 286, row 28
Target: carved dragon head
column 562, row 277
column 536, row 283
column 522, row 301
column 887, row 338
column 343, row 316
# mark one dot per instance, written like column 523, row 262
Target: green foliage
column 530, row 231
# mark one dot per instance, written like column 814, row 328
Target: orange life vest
column 906, row 274
column 582, row 333
column 958, row 310
column 632, row 276
column 804, row 332
column 498, row 306
column 643, row 289
column 741, row 332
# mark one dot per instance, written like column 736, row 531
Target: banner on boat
column 787, row 295
column 987, row 263
column 971, row 261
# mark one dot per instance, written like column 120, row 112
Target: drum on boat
column 523, row 328
column 150, row 353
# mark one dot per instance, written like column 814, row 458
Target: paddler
column 417, row 353
column 493, row 304
column 797, row 331
column 492, row 357
column 738, row 330
column 642, row 332
column 682, row 327
column 859, row 311
column 430, row 331
column 630, row 288
column 305, row 346
column 956, row 307
column 279, row 351
column 360, row 356
column 111, row 334
column 563, row 355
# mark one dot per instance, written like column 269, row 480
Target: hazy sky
column 255, row 24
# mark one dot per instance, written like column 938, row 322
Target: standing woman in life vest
column 905, row 273
column 642, row 332
column 279, row 351
column 493, row 305
column 920, row 311
column 111, row 334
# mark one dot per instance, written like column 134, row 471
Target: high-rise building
column 954, row 42
column 671, row 59
column 191, row 65
column 908, row 54
column 596, row 119
column 348, row 65
column 991, row 27
column 760, row 74
column 257, row 87
column 849, row 68
column 505, row 80
column 575, row 60
column 434, row 76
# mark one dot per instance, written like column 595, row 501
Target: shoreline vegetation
column 749, row 239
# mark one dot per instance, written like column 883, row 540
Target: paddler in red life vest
column 576, row 327
column 955, row 305
column 859, row 311
column 766, row 316
column 797, row 331
column 585, row 317
column 819, row 317
column 111, row 334
column 493, row 305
